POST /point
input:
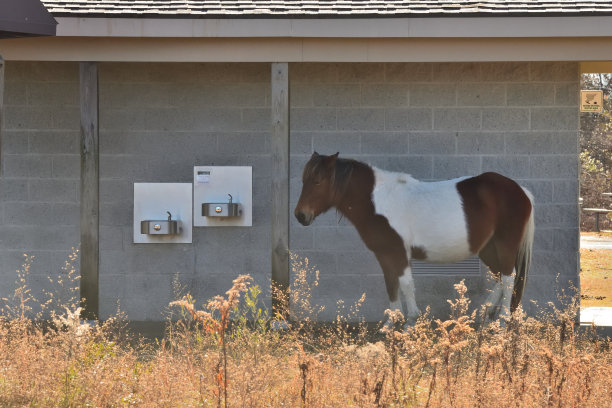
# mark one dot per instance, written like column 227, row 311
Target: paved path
column 595, row 242
column 601, row 316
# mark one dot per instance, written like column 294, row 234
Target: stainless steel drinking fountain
column 163, row 213
column 222, row 196
column 161, row 227
column 229, row 209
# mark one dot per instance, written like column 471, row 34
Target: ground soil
column 596, row 275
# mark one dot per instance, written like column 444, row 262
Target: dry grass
column 225, row 354
column 596, row 274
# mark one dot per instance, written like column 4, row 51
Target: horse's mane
column 342, row 175
column 315, row 168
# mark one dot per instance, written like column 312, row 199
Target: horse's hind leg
column 507, row 248
column 499, row 255
column 507, row 284
column 493, row 300
column 498, row 301
column 488, row 254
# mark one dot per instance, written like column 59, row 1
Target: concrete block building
column 141, row 93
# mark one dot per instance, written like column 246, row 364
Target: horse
column 400, row 219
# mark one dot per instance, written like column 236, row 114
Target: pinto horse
column 400, row 218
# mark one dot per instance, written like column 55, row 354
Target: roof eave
column 25, row 18
column 445, row 27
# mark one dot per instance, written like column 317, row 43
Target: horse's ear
column 330, row 161
column 315, row 154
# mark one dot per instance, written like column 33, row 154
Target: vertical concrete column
column 90, row 192
column 1, row 107
column 279, row 142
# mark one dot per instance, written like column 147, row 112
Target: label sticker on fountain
column 203, row 176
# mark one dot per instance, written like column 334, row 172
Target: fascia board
column 306, row 49
column 465, row 27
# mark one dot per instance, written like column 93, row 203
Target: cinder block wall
column 39, row 186
column 439, row 121
column 157, row 121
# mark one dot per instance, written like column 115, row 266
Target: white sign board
column 591, row 101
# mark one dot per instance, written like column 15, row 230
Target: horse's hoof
column 491, row 313
column 386, row 326
column 410, row 322
column 278, row 325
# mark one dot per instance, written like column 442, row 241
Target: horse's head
column 318, row 189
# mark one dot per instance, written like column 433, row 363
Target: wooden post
column 1, row 107
column 90, row 193
column 279, row 143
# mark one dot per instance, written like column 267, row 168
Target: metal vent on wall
column 467, row 267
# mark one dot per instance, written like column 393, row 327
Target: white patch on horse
column 495, row 297
column 507, row 286
column 407, row 290
column 396, row 305
column 498, row 302
column 427, row 215
column 494, row 300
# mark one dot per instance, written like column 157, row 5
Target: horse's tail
column 523, row 258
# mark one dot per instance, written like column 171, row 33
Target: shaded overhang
column 25, row 18
column 450, row 39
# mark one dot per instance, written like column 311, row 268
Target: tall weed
column 228, row 353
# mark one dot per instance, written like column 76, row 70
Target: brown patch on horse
column 496, row 210
column 418, row 253
column 356, row 182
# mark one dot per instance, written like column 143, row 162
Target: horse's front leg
column 400, row 286
column 392, row 269
column 407, row 289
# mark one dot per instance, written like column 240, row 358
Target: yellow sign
column 591, row 101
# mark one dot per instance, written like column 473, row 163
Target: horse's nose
column 303, row 218
column 300, row 217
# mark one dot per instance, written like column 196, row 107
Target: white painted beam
column 307, row 49
column 448, row 27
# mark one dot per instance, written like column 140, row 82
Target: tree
column 596, row 151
